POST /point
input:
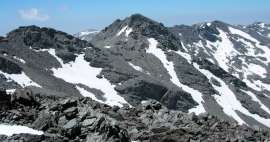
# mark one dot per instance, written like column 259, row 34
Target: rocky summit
column 136, row 80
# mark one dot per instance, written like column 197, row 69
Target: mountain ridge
column 212, row 67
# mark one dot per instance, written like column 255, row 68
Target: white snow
column 268, row 35
column 254, row 98
column 196, row 95
column 228, row 101
column 125, row 29
column 241, row 33
column 128, row 31
column 252, row 68
column 262, row 25
column 138, row 68
column 84, row 33
column 86, row 93
column 10, row 91
column 80, row 71
column 266, row 50
column 257, row 69
column 122, row 30
column 208, row 24
column 107, row 46
column 9, row 130
column 225, row 50
column 19, row 59
column 22, row 79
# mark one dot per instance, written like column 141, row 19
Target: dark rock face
column 9, row 67
column 23, row 96
column 45, row 38
column 95, row 122
column 4, row 101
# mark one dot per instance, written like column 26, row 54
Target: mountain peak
column 43, row 37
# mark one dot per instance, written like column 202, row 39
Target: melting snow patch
column 229, row 102
column 19, row 59
column 80, row 71
column 10, row 130
column 256, row 69
column 241, row 33
column 22, row 79
column 107, row 47
column 254, row 98
column 135, row 67
column 125, row 29
column 10, row 91
column 128, row 31
column 86, row 93
column 169, row 66
column 225, row 50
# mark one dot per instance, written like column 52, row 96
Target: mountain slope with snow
column 211, row 67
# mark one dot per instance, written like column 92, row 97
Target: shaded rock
column 72, row 128
column 88, row 122
column 71, row 112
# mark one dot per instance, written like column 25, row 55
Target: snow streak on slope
column 125, row 29
column 138, row 68
column 254, row 98
column 19, row 59
column 9, row 130
column 85, row 93
column 265, row 49
column 80, row 71
column 228, row 101
column 169, row 66
column 224, row 50
column 252, row 45
column 22, row 79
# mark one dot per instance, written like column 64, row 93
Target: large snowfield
column 10, row 130
column 80, row 72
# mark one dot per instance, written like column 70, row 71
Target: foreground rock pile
column 82, row 119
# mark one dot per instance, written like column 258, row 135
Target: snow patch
column 22, row 79
column 10, row 91
column 169, row 66
column 256, row 69
column 19, row 59
column 86, row 93
column 80, row 71
column 228, row 101
column 254, row 98
column 10, row 130
column 84, row 33
column 107, row 47
column 125, row 29
column 242, row 34
column 225, row 51
column 138, row 68
column 128, row 31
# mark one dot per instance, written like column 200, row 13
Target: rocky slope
column 214, row 67
column 82, row 119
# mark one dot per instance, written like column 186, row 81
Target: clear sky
column 75, row 15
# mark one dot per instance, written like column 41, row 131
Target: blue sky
column 75, row 15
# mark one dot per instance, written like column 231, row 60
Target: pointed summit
column 136, row 27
